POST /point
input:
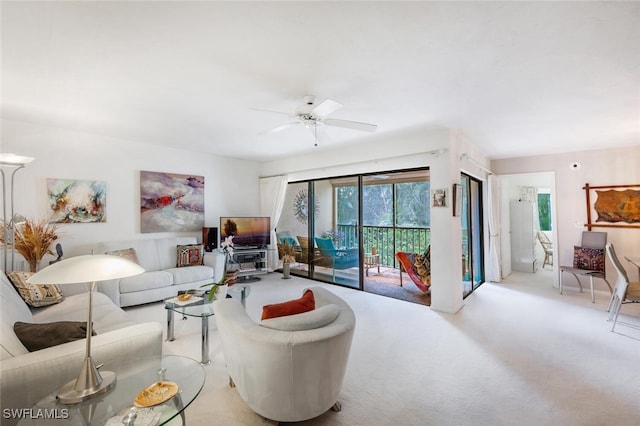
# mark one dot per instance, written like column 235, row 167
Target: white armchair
column 288, row 368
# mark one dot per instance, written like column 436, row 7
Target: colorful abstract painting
column 171, row 202
column 77, row 201
column 618, row 206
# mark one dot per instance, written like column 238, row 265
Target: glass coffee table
column 198, row 306
column 132, row 376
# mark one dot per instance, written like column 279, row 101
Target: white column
column 446, row 236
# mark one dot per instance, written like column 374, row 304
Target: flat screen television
column 248, row 232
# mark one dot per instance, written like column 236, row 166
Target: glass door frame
column 473, row 215
column 311, row 224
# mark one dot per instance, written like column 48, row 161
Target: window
column 544, row 211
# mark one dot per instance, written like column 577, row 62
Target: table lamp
column 87, row 269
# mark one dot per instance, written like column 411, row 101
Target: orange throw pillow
column 298, row 306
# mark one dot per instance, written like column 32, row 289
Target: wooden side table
column 371, row 261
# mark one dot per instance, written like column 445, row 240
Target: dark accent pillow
column 190, row 255
column 304, row 304
column 588, row 258
column 39, row 336
column 35, row 295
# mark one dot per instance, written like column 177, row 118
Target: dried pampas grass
column 34, row 239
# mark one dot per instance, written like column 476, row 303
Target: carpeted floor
column 518, row 352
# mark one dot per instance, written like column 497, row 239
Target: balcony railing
column 388, row 240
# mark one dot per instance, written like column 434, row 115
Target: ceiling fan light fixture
column 312, row 114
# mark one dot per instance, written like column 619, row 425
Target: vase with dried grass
column 287, row 255
column 34, row 239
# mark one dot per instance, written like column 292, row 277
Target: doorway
column 539, row 189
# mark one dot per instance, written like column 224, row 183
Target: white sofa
column 162, row 278
column 26, row 377
column 289, row 368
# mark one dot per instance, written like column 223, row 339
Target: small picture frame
column 439, row 197
column 457, row 199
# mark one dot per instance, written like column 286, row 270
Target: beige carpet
column 517, row 353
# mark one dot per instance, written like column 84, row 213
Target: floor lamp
column 16, row 162
column 87, row 269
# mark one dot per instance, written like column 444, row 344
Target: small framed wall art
column 439, row 198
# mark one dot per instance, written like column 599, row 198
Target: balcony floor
column 386, row 283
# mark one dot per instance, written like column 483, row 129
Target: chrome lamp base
column 90, row 383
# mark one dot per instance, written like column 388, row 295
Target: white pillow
column 317, row 318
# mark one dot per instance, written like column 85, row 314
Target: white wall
column 231, row 186
column 384, row 152
column 599, row 167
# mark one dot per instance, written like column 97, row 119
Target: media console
column 249, row 263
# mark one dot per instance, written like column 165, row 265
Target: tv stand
column 251, row 262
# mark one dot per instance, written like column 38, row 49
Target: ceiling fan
column 313, row 115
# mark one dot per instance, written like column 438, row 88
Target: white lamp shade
column 87, row 268
column 9, row 159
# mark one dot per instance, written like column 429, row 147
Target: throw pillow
column 297, row 306
column 129, row 254
column 311, row 320
column 422, row 264
column 35, row 295
column 39, row 336
column 588, row 258
column 190, row 255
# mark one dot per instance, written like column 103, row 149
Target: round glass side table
column 132, row 376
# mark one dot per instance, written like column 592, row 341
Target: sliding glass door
column 336, row 231
column 347, row 230
column 472, row 241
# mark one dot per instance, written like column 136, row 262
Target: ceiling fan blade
column 329, row 106
column 355, row 125
column 273, row 112
column 280, row 128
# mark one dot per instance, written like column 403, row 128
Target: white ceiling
column 519, row 78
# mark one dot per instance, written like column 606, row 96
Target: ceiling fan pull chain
column 315, row 133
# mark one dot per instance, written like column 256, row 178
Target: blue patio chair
column 334, row 258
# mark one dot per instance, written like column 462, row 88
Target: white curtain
column 493, row 271
column 272, row 192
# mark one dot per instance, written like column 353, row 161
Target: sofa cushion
column 189, row 255
column 146, row 251
column 191, row 274
column 129, row 254
column 310, row 320
column 297, row 306
column 104, row 314
column 35, row 295
column 39, row 336
column 145, row 281
column 13, row 309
